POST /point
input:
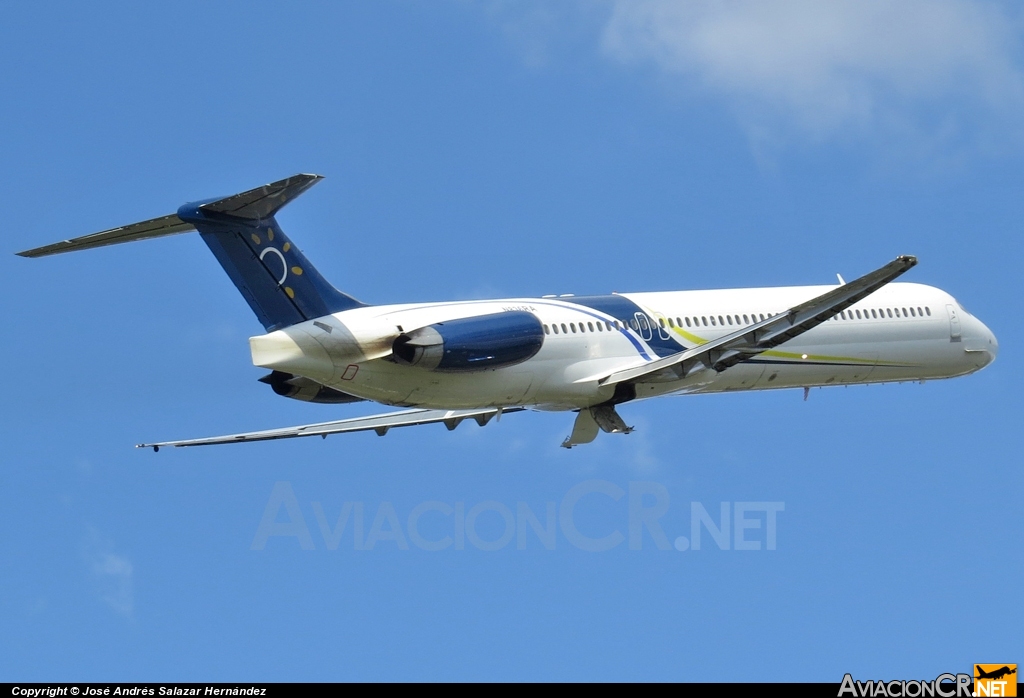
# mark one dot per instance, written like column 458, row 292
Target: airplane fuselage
column 902, row 332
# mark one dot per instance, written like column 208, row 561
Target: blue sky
column 484, row 150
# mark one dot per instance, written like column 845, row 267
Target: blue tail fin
column 274, row 277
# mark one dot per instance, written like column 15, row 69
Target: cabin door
column 954, row 324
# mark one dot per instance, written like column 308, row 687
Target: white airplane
column 586, row 354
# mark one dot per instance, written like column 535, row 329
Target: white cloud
column 826, row 69
column 111, row 573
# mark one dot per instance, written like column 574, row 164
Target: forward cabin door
column 954, row 324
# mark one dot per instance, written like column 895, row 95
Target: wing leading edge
column 749, row 341
column 379, row 423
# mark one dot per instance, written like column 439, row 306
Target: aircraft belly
column 377, row 381
column 795, row 375
column 500, row 387
column 390, row 383
column 743, row 376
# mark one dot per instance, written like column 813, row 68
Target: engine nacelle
column 300, row 388
column 473, row 343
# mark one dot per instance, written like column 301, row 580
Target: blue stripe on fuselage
column 625, row 310
column 602, row 318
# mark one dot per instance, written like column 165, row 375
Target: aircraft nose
column 986, row 346
column 993, row 343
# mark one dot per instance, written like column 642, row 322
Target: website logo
column 995, row 680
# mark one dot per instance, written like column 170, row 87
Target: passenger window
column 858, row 314
column 555, row 328
column 572, row 326
column 679, row 322
column 889, row 310
column 564, row 330
column 873, row 313
column 600, row 327
column 912, row 313
column 905, row 314
column 712, row 320
column 661, row 322
column 671, row 323
column 919, row 313
column 546, row 330
column 928, row 310
column 704, row 320
column 745, row 321
column 762, row 317
column 609, row 326
column 728, row 319
column 688, row 322
column 590, row 326
column 720, row 320
column 635, row 325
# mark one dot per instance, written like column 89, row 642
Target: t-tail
column 274, row 277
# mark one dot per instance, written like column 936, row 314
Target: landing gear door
column 954, row 324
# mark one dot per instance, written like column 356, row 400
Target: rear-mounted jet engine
column 305, row 389
column 473, row 343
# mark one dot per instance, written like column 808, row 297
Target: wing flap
column 750, row 341
column 380, row 423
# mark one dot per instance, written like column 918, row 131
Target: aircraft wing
column 751, row 340
column 379, row 423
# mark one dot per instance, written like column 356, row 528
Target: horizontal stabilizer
column 379, row 423
column 154, row 228
column 263, row 202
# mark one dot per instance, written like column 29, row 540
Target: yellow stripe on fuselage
column 787, row 354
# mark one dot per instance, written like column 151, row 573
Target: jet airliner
column 448, row 362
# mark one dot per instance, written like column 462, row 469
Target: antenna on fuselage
column 842, row 281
